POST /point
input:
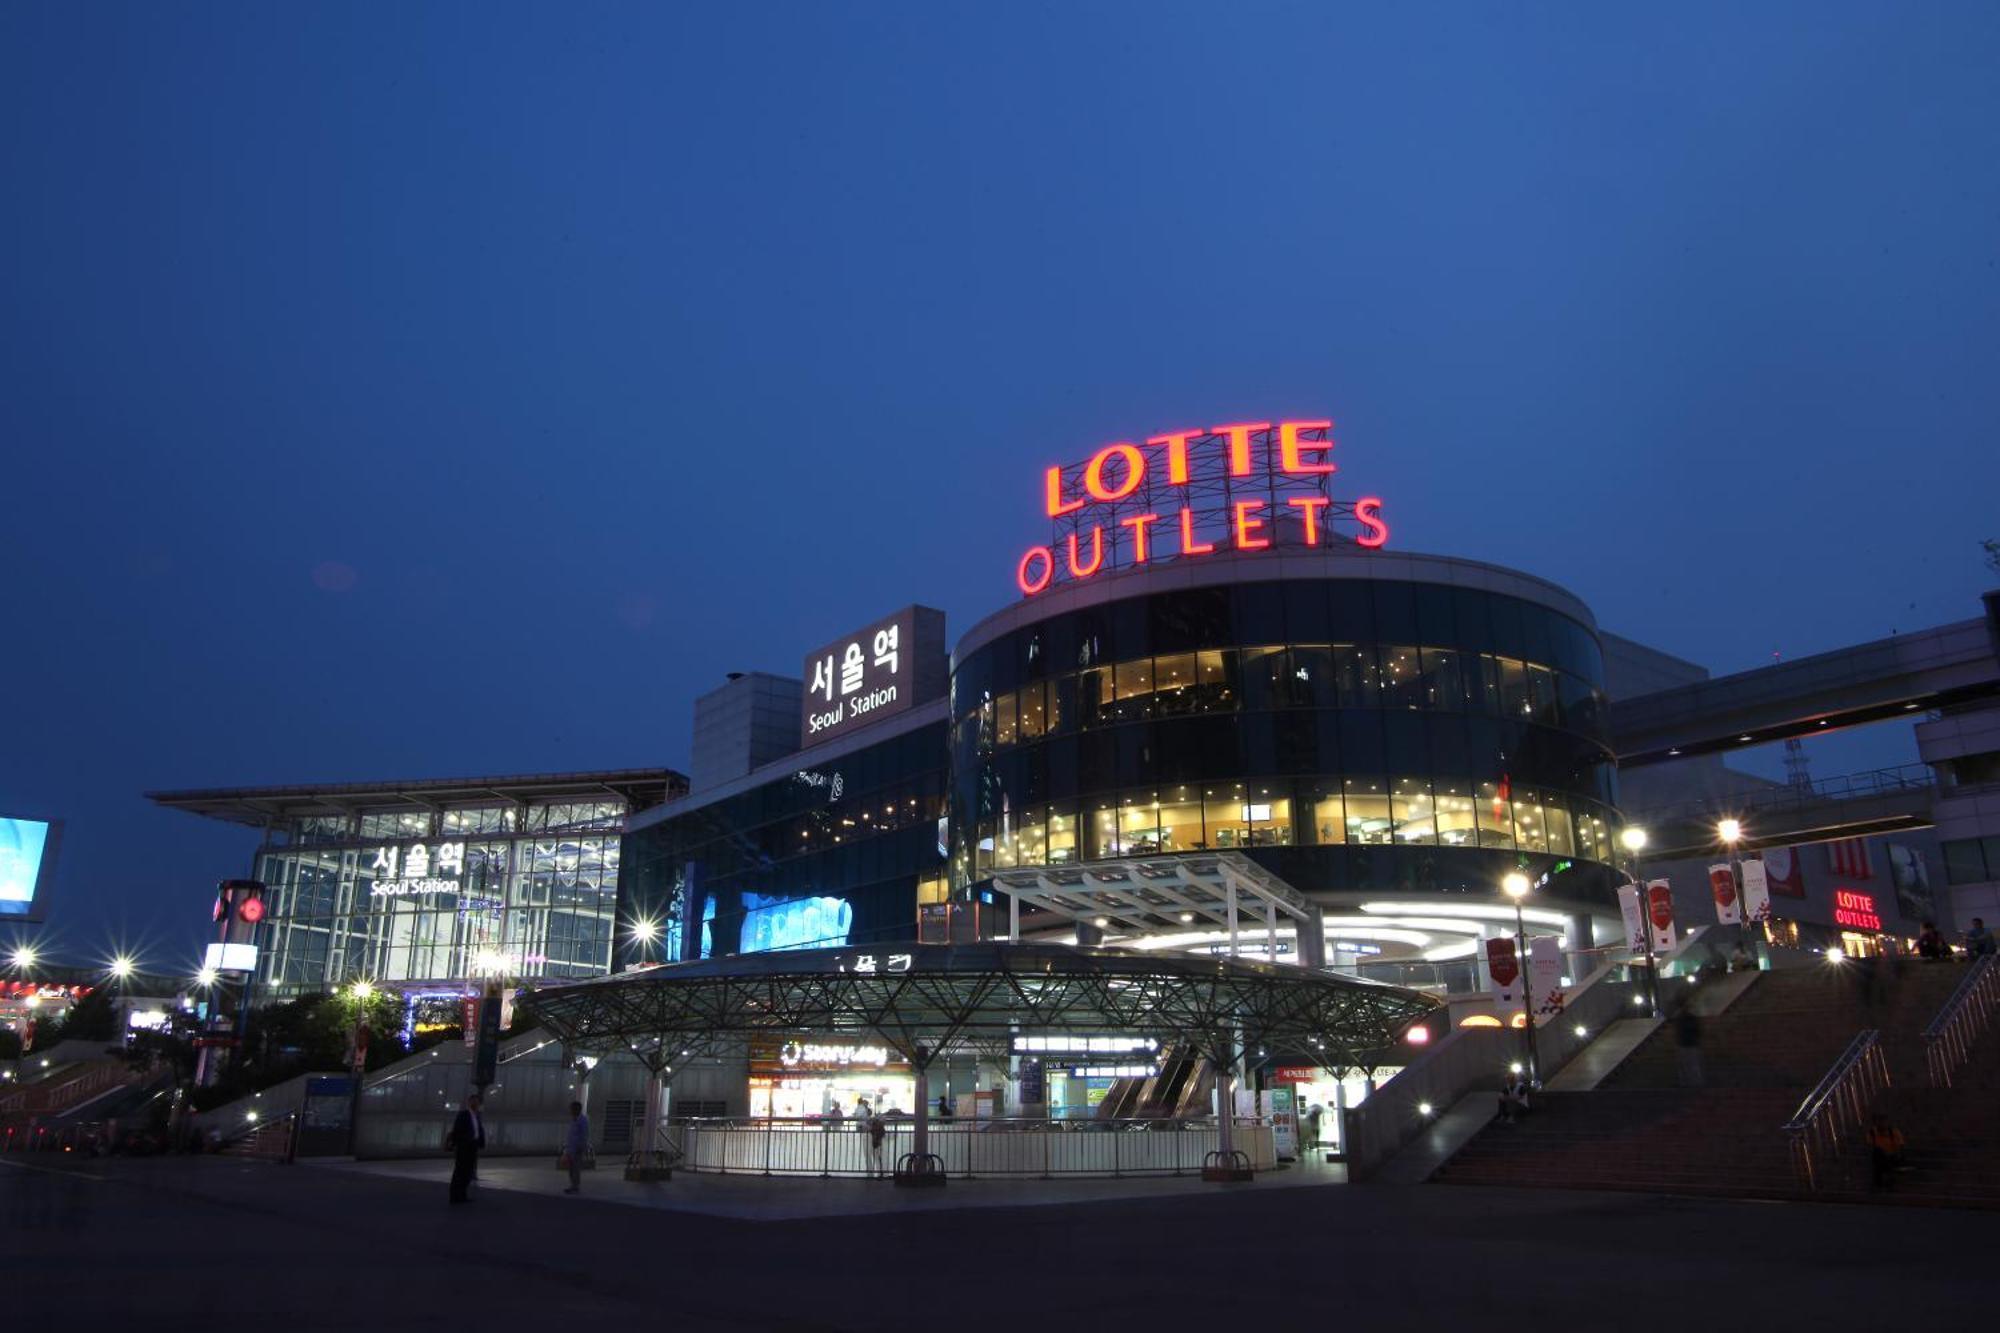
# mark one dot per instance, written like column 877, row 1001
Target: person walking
column 467, row 1137
column 1687, row 1035
column 575, row 1145
column 1885, row 1147
column 1930, row 944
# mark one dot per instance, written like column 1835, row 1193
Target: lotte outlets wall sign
column 1247, row 486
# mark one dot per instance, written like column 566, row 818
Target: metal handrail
column 1837, row 1103
column 1948, row 1040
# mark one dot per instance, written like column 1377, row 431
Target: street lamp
column 1634, row 839
column 121, row 967
column 1730, row 831
column 23, row 957
column 1515, row 885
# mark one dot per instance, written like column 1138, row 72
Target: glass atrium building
column 437, row 882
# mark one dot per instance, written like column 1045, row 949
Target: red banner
column 1501, row 962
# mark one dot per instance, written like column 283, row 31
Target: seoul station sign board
column 1245, row 486
column 860, row 678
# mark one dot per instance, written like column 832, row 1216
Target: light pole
column 1516, row 886
column 1634, row 839
column 1730, row 831
column 362, row 991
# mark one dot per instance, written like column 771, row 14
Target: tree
column 92, row 1018
column 1992, row 549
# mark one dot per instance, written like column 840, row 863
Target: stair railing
column 1837, row 1106
column 1948, row 1040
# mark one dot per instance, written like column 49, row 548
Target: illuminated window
column 1413, row 811
column 1371, row 817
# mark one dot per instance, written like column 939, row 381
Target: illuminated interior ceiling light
column 1539, row 915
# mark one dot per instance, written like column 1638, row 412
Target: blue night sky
column 392, row 391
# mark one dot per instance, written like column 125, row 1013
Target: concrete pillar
column 1581, row 941
column 1225, row 1105
column 1312, row 938
column 920, row 1133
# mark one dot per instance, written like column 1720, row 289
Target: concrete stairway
column 1640, row 1130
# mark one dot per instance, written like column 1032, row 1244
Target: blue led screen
column 771, row 925
column 23, row 843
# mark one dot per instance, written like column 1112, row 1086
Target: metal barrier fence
column 1837, row 1105
column 1948, row 1039
column 966, row 1148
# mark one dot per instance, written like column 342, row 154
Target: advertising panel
column 1912, row 879
column 1660, row 914
column 1505, row 970
column 1756, row 893
column 860, row 678
column 1722, row 884
column 774, row 925
column 1634, row 916
column 27, row 866
column 1545, row 977
column 1783, row 873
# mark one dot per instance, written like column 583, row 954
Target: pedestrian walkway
column 793, row 1198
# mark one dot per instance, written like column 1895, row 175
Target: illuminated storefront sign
column 799, row 1055
column 410, row 872
column 1853, row 908
column 1244, row 487
column 861, row 677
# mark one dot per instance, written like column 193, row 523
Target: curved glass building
column 1364, row 725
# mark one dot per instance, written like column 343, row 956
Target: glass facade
column 520, row 889
column 838, row 851
column 1349, row 733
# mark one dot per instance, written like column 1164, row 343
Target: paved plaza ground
column 219, row 1242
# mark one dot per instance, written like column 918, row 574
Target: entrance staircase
column 1639, row 1129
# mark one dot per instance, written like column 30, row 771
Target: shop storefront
column 811, row 1078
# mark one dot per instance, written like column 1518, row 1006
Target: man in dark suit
column 467, row 1137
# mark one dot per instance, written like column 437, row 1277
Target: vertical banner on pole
column 1635, row 917
column 1505, row 969
column 1660, row 914
column 1756, row 893
column 1545, row 976
column 1722, row 883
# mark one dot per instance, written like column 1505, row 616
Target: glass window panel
column 1529, row 830
column 1329, row 818
column 1062, row 704
column 1495, row 816
column 1216, row 692
column 1311, row 676
column 1482, row 683
column 1103, row 843
column 1514, row 701
column 1180, row 820
column 1033, row 710
column 1135, row 690
column 1402, row 678
column 1562, row 837
column 1062, row 837
column 1456, row 825
column 1370, row 815
column 1354, row 673
column 1222, row 814
column 1593, row 833
column 1094, row 695
column 1267, row 815
column 1139, row 824
column 1542, row 696
column 1263, row 670
column 985, row 720
column 1414, row 812
column 1443, row 686
column 1003, row 720
column 1174, row 685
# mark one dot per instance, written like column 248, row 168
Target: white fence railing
column 1035, row 1148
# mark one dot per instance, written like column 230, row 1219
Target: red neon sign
column 1852, row 908
column 1189, row 483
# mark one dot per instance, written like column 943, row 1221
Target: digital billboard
column 27, row 866
column 774, row 925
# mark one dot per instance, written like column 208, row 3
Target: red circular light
column 252, row 910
